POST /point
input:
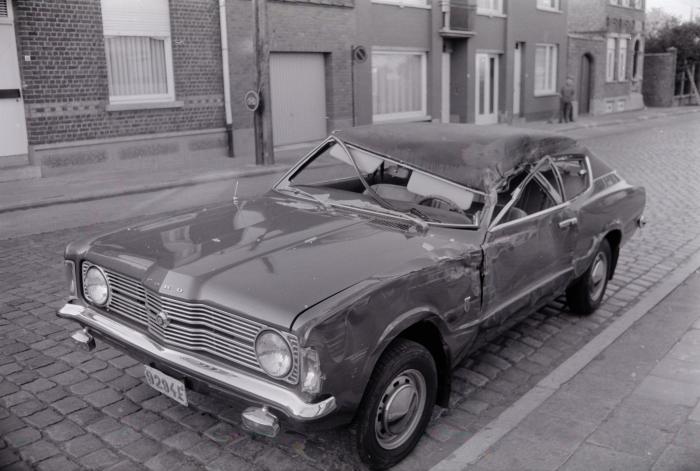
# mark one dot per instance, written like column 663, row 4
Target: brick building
column 310, row 68
column 99, row 84
column 469, row 61
column 105, row 83
column 94, row 84
column 606, row 44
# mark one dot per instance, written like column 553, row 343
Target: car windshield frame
column 285, row 185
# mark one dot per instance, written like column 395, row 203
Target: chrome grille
column 192, row 326
column 127, row 297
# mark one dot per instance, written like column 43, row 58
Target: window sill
column 144, row 105
column 491, row 14
column 550, row 10
column 400, row 4
column 627, row 7
column 545, row 94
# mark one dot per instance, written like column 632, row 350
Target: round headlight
column 273, row 354
column 96, row 288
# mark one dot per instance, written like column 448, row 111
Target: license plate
column 165, row 384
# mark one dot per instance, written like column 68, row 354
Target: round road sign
column 359, row 53
column 252, row 100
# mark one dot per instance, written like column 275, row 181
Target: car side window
column 534, row 198
column 574, row 174
column 540, row 192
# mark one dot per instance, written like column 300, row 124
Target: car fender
column 616, row 207
column 583, row 261
column 353, row 328
column 401, row 324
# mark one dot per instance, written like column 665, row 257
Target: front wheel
column 397, row 405
column 586, row 293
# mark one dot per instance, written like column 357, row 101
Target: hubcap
column 599, row 271
column 400, row 409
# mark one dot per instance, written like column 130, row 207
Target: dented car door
column 528, row 256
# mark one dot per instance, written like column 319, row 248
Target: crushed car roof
column 474, row 156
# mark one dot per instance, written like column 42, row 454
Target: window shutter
column 135, row 18
column 3, row 9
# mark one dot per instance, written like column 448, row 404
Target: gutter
column 226, row 75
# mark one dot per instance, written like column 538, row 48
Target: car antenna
column 235, row 193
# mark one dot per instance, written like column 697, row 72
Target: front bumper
column 223, row 377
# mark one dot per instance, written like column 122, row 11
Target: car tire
column 586, row 293
column 405, row 380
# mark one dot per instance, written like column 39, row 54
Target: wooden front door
column 585, row 83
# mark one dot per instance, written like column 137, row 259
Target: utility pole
column 262, row 119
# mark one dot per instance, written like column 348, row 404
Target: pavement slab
column 590, row 457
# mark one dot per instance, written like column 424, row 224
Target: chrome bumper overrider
column 238, row 382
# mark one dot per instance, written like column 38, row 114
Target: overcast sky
column 680, row 8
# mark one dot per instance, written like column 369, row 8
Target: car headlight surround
column 69, row 274
column 96, row 286
column 311, row 376
column 274, row 354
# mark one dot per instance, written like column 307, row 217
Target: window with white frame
column 489, row 7
column 625, row 3
column 622, row 60
column 399, row 88
column 638, row 4
column 137, row 46
column 546, row 69
column 610, row 61
column 549, row 5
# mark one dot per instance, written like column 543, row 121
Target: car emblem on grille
column 162, row 319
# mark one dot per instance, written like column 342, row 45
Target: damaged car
column 347, row 293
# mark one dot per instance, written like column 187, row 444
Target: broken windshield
column 334, row 176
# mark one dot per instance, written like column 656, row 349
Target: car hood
column 269, row 258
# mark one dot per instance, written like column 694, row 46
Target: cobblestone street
column 63, row 409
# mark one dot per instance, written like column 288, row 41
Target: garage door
column 298, row 83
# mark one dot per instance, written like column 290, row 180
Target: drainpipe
column 227, row 81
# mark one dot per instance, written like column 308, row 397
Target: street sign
column 252, row 100
column 359, row 53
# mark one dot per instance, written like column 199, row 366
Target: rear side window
column 574, row 174
column 534, row 198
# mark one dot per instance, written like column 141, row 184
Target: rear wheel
column 586, row 293
column 397, row 405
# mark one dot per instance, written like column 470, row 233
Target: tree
column 657, row 19
column 685, row 37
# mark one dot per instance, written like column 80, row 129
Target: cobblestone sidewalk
column 62, row 409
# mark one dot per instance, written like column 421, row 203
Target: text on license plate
column 165, row 384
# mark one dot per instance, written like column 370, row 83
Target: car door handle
column 568, row 222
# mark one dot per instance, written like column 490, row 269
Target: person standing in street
column 566, row 98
